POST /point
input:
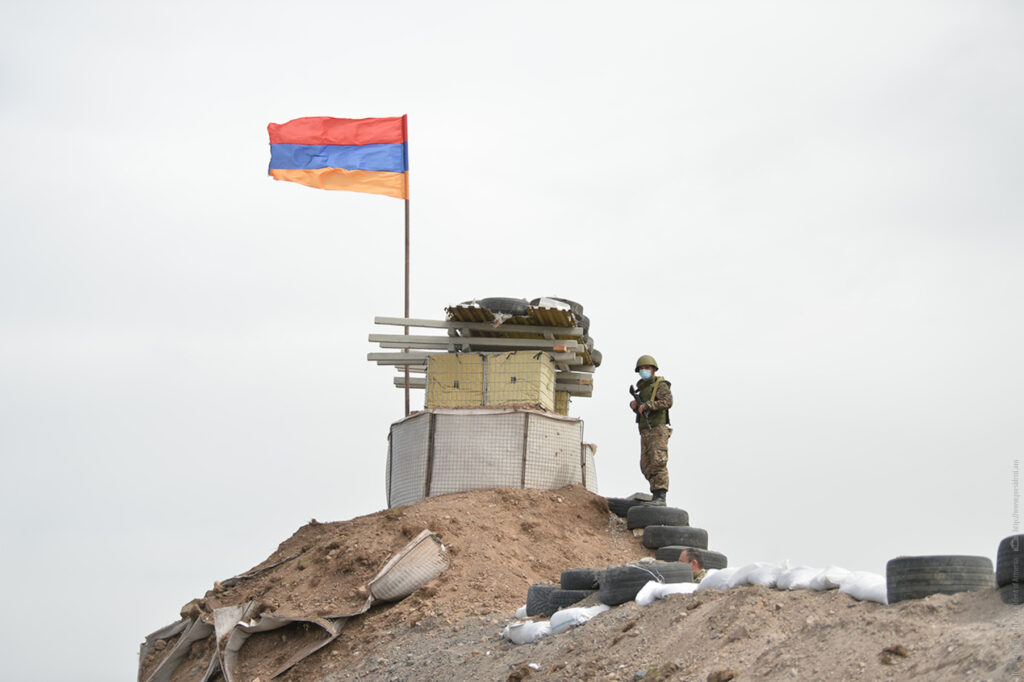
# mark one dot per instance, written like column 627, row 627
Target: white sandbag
column 865, row 586
column 569, row 618
column 760, row 573
column 655, row 590
column 526, row 632
column 829, row 579
column 766, row 575
column 717, row 579
column 521, row 612
column 797, row 578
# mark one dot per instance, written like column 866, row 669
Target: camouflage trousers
column 654, row 456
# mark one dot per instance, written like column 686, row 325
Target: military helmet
column 645, row 360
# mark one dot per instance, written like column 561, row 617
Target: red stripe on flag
column 326, row 130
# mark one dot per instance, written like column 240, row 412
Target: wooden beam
column 478, row 326
column 559, row 385
column 573, row 382
column 414, row 341
column 574, row 375
column 573, row 390
column 399, row 358
column 414, row 382
column 413, row 358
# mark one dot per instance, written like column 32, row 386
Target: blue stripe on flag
column 369, row 157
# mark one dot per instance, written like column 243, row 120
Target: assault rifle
column 635, row 392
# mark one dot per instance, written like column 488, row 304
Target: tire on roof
column 505, row 306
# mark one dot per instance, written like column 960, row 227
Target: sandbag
column 717, row 579
column 655, row 590
column 829, row 579
column 797, row 578
column 569, row 618
column 759, row 573
column 864, row 586
column 526, row 632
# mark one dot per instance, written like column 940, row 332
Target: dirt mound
column 502, row 541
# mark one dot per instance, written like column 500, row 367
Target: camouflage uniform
column 654, row 439
column 700, row 575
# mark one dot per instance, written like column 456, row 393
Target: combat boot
column 658, row 499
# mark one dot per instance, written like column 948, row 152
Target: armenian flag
column 353, row 154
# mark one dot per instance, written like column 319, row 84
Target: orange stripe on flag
column 373, row 182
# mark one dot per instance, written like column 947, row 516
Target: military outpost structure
column 498, row 385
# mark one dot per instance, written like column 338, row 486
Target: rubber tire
column 1012, row 593
column 641, row 517
column 596, row 357
column 620, row 584
column 1010, row 561
column 620, row 506
column 917, row 577
column 584, row 322
column 538, row 599
column 507, row 306
column 656, row 537
column 711, row 559
column 587, row 342
column 580, row 579
column 560, row 598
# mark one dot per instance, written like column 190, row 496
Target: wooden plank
column 459, row 347
column 417, row 341
column 574, row 375
column 414, row 358
column 478, row 326
column 399, row 358
column 573, row 382
column 579, row 391
column 414, row 382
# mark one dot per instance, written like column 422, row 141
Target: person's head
column 694, row 557
column 646, row 366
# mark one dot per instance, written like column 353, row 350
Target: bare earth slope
column 502, row 541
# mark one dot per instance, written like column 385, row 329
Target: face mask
column 645, row 374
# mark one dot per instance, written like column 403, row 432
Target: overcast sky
column 810, row 213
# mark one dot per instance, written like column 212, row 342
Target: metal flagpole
column 406, row 302
column 405, row 140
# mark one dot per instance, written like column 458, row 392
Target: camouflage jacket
column 655, row 406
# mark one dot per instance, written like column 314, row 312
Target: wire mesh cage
column 491, row 380
column 442, row 451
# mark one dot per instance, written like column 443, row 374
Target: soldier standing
column 653, row 398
